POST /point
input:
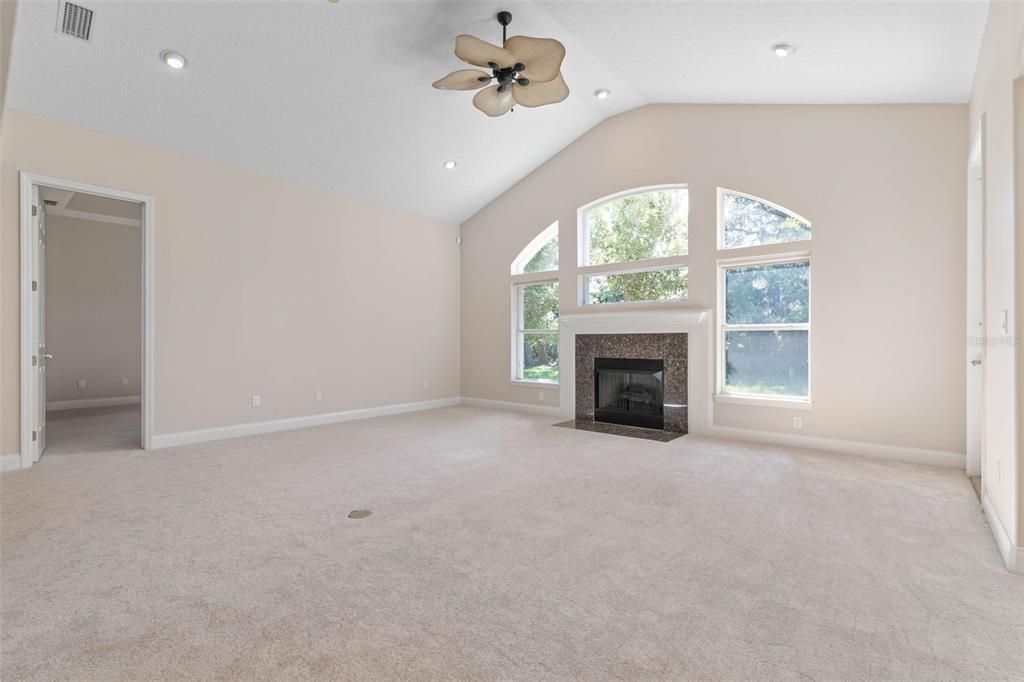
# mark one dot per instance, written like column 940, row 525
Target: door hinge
column 35, row 211
column 34, row 360
column 35, row 436
column 35, row 285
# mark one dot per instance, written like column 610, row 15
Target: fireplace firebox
column 630, row 392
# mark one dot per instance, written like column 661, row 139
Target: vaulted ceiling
column 338, row 96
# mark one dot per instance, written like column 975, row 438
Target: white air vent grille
column 76, row 21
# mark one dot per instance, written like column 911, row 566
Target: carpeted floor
column 499, row 547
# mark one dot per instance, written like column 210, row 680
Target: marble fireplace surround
column 671, row 348
column 694, row 322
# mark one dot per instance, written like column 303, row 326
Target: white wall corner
column 10, row 462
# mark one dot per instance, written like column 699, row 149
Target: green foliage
column 542, row 372
column 637, row 227
column 540, row 306
column 546, row 259
column 655, row 285
column 769, row 362
column 540, row 350
column 767, row 294
column 749, row 222
column 766, row 362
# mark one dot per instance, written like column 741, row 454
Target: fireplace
column 629, row 391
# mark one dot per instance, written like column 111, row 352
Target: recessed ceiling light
column 603, row 93
column 783, row 49
column 173, row 59
column 449, row 165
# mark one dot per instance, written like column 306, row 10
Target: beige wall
column 261, row 286
column 885, row 189
column 93, row 308
column 999, row 63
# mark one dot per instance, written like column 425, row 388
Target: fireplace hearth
column 629, row 391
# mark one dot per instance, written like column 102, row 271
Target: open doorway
column 86, row 316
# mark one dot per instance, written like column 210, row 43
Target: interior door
column 976, row 307
column 39, row 305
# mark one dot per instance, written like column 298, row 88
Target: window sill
column 534, row 383
column 761, row 401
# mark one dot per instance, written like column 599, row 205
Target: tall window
column 535, row 310
column 765, row 315
column 633, row 247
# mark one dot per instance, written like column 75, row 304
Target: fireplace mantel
column 693, row 321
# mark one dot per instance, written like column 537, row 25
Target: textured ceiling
column 338, row 96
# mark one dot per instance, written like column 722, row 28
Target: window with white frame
column 633, row 247
column 535, row 310
column 764, row 314
column 749, row 221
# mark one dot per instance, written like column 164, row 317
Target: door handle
column 47, row 356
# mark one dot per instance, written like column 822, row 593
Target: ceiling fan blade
column 538, row 94
column 542, row 56
column 492, row 102
column 472, row 50
column 464, row 79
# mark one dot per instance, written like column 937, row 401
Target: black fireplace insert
column 630, row 392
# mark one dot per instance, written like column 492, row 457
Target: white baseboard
column 551, row 411
column 941, row 458
column 167, row 440
column 10, row 462
column 92, row 402
column 1013, row 557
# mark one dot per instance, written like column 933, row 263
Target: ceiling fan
column 526, row 71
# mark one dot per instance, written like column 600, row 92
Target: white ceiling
column 338, row 96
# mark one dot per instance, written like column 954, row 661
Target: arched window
column 633, row 247
column 540, row 255
column 750, row 221
column 764, row 316
column 535, row 310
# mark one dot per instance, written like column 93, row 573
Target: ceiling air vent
column 76, row 21
column 50, row 202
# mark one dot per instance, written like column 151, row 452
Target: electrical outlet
column 124, row 381
column 540, row 396
column 798, row 423
column 319, row 395
column 81, row 383
column 255, row 401
column 426, row 385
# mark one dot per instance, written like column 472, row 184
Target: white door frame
column 28, row 314
column 976, row 300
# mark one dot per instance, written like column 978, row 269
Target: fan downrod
column 504, row 18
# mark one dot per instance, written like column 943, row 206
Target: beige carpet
column 499, row 548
